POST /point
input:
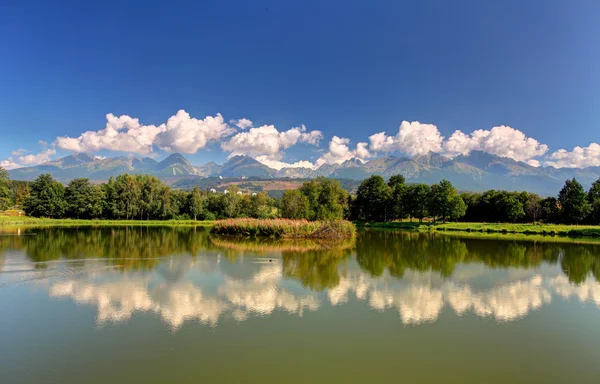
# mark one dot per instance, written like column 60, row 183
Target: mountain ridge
column 475, row 172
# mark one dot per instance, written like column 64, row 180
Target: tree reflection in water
column 183, row 273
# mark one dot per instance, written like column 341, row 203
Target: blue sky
column 347, row 69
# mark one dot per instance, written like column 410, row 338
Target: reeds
column 285, row 228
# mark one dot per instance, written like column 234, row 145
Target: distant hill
column 476, row 172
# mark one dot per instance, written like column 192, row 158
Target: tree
column 126, row 197
column 21, row 194
column 294, row 205
column 573, row 201
column 593, row 197
column 458, row 207
column 418, row 201
column 150, row 188
column 372, row 200
column 327, row 200
column 442, row 201
column 47, row 198
column 5, row 200
column 398, row 201
column 550, row 210
column 83, row 199
column 533, row 207
column 511, row 206
column 195, row 203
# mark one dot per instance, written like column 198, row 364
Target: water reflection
column 183, row 275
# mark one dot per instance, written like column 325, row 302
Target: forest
column 145, row 197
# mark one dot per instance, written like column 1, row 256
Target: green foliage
column 195, row 203
column 593, row 198
column 398, row 201
column 418, row 201
column 5, row 198
column 574, row 203
column 83, row 199
column 327, row 200
column 444, row 201
column 295, row 205
column 47, row 198
column 372, row 200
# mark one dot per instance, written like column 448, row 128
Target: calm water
column 158, row 305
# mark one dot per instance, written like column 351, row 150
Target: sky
column 300, row 83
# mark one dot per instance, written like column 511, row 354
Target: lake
column 158, row 305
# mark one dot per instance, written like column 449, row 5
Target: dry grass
column 284, row 228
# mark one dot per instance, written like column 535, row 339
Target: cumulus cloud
column 413, row 139
column 9, row 164
column 269, row 141
column 20, row 152
column 43, row 143
column 122, row 133
column 502, row 141
column 277, row 164
column 186, row 134
column 577, row 158
column 181, row 133
column 267, row 144
column 242, row 123
column 41, row 157
column 339, row 151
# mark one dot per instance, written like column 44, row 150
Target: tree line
column 145, row 197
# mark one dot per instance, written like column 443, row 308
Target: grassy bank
column 283, row 228
column 526, row 229
column 33, row 221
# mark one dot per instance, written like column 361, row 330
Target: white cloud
column 276, row 164
column 9, row 164
column 183, row 133
column 242, row 123
column 268, row 141
column 41, row 157
column 42, row 143
column 121, row 133
column 20, row 152
column 267, row 144
column 340, row 152
column 577, row 158
column 502, row 141
column 413, row 139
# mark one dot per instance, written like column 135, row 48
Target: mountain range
column 475, row 172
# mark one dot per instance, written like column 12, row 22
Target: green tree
column 442, row 201
column 83, row 199
column 418, row 201
column 593, row 197
column 532, row 207
column 327, row 200
column 372, row 200
column 126, row 197
column 511, row 206
column 458, row 207
column 294, row 205
column 573, row 201
column 150, row 201
column 47, row 198
column 195, row 203
column 398, row 199
column 5, row 200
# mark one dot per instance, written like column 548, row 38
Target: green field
column 527, row 229
column 23, row 220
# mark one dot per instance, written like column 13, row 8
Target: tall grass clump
column 285, row 228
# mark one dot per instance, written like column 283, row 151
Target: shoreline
column 506, row 228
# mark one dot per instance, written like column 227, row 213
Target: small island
column 285, row 228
